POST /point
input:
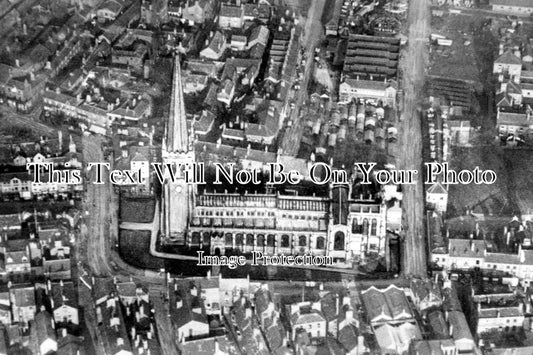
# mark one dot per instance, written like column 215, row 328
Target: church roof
column 177, row 139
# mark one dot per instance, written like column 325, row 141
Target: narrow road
column 413, row 64
column 163, row 321
column 312, row 34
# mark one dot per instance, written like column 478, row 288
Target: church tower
column 177, row 149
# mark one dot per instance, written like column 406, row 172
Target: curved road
column 98, row 202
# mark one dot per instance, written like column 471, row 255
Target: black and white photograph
column 266, row 177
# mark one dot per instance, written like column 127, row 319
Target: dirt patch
column 457, row 61
column 496, row 199
column 139, row 210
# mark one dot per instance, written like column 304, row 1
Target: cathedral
column 348, row 223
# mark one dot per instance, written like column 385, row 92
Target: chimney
column 349, row 315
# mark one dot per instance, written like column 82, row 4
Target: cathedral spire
column 176, row 137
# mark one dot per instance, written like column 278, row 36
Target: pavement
column 98, row 201
column 413, row 63
column 312, row 35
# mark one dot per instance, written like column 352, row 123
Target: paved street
column 312, row 35
column 95, row 233
column 413, row 65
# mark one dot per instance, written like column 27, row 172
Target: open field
column 458, row 60
column 495, row 199
column 519, row 165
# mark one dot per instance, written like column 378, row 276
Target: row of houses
column 22, row 82
column 97, row 115
column 125, row 320
column 472, row 253
column 514, row 96
column 255, row 321
column 16, row 181
column 38, row 300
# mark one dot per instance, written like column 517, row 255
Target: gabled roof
column 498, row 312
column 180, row 294
column 262, row 299
column 438, row 326
column 43, row 324
column 208, row 346
column 395, row 338
column 433, row 347
column 348, row 337
column 508, row 57
column 437, row 188
column 426, row 288
column 388, row 304
column 513, row 88
column 459, row 326
column 230, row 11
column 70, row 345
column 259, row 33
column 467, row 248
column 502, row 258
column 312, row 316
column 217, row 42
column 515, row 119
column 328, row 305
column 205, row 123
column 64, row 293
column 503, row 100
